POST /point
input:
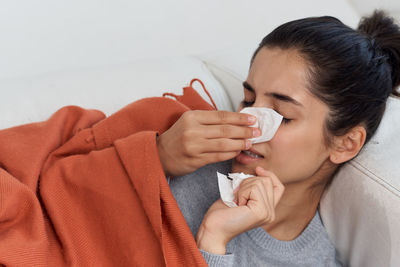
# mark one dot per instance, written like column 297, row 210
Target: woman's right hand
column 256, row 197
column 201, row 137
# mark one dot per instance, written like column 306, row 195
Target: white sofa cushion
column 361, row 208
column 108, row 88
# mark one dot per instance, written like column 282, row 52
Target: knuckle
column 222, row 146
column 249, row 132
column 249, row 180
column 252, row 186
column 243, row 118
column 259, row 182
column 225, row 130
column 267, row 181
column 243, row 142
column 190, row 115
column 187, row 149
column 185, row 134
column 223, row 116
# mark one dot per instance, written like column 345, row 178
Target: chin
column 247, row 169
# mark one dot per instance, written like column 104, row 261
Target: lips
column 254, row 152
column 248, row 156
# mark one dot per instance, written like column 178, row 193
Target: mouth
column 248, row 156
column 252, row 153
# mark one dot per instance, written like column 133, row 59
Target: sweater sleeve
column 215, row 260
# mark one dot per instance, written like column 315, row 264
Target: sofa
column 104, row 55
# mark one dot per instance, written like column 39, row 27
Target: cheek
column 296, row 153
column 288, row 139
column 291, row 138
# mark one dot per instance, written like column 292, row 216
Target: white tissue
column 228, row 185
column 268, row 120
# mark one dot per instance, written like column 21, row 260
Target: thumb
column 260, row 171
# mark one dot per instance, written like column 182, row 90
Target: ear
column 347, row 146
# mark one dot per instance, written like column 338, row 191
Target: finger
column 267, row 188
column 256, row 182
column 224, row 117
column 252, row 197
column 269, row 195
column 208, row 158
column 243, row 186
column 243, row 196
column 243, row 192
column 230, row 131
column 277, row 185
column 223, row 145
column 250, row 192
column 264, row 186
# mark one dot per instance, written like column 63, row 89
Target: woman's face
column 278, row 79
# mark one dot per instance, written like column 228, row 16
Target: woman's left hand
column 256, row 197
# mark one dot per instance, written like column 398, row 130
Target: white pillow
column 230, row 68
column 361, row 208
column 107, row 89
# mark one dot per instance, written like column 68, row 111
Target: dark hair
column 352, row 71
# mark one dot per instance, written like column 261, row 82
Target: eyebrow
column 281, row 97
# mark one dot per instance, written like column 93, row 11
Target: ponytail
column 385, row 34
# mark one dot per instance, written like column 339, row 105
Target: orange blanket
column 83, row 190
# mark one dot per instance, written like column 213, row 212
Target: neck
column 299, row 204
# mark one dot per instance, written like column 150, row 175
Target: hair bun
column 386, row 33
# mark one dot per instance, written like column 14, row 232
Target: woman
column 330, row 83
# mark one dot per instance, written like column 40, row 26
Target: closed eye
column 286, row 120
column 247, row 103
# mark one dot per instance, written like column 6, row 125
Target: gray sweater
column 196, row 192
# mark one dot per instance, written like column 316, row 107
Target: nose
column 263, row 103
column 258, row 103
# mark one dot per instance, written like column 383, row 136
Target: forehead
column 280, row 71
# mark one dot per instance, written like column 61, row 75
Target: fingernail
column 256, row 132
column 252, row 119
column 248, row 144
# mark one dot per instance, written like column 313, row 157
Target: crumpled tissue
column 268, row 120
column 228, row 184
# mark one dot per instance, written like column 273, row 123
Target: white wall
column 50, row 35
column 365, row 7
